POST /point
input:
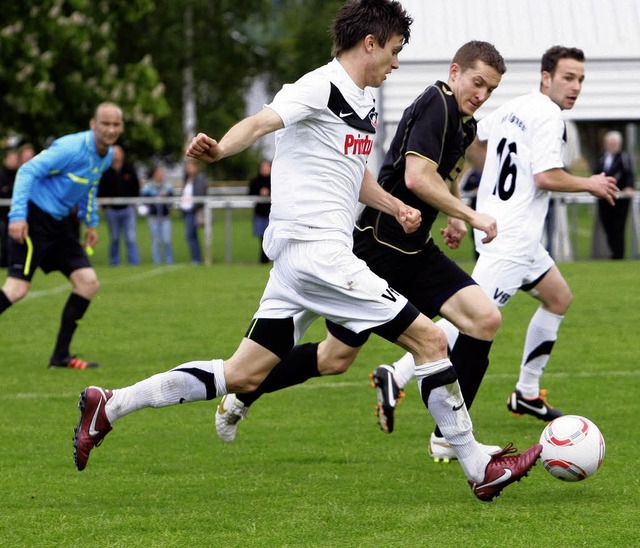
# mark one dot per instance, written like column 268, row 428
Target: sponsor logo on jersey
column 373, row 117
column 357, row 144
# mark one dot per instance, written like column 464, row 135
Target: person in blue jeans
column 121, row 181
column 159, row 217
column 260, row 185
column 195, row 184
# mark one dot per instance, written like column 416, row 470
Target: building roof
column 524, row 29
column 608, row 31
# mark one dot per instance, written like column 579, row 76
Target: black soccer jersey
column 432, row 128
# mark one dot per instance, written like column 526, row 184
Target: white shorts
column 311, row 279
column 501, row 278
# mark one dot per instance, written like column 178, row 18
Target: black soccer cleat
column 389, row 395
column 537, row 407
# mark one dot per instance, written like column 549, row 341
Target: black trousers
column 614, row 221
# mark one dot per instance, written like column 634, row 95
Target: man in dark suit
column 616, row 163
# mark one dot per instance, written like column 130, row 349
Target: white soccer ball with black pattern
column 572, row 448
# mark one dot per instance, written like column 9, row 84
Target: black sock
column 299, row 365
column 4, row 302
column 470, row 359
column 71, row 314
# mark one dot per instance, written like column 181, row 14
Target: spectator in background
column 616, row 163
column 121, row 181
column 25, row 153
column 195, row 184
column 7, row 178
column 260, row 185
column 159, row 217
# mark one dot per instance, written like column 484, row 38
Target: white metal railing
column 563, row 237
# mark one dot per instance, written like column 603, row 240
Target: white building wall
column 607, row 30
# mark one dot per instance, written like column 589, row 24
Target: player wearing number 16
column 523, row 141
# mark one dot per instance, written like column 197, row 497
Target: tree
column 59, row 58
column 226, row 53
column 57, row 64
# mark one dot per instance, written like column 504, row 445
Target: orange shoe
column 72, row 362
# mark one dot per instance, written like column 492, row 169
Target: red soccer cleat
column 93, row 425
column 503, row 470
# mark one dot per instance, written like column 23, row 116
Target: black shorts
column 427, row 278
column 53, row 246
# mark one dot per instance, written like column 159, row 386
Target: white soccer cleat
column 441, row 451
column 228, row 414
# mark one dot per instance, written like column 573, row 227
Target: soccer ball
column 572, row 448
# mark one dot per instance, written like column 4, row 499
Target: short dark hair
column 555, row 53
column 358, row 18
column 476, row 50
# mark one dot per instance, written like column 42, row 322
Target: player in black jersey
column 421, row 168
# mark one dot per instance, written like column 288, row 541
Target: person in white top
column 522, row 143
column 325, row 124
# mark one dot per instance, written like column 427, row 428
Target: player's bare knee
column 566, row 300
column 335, row 366
column 335, row 363
column 559, row 303
column 440, row 341
column 243, row 384
column 15, row 290
column 87, row 287
column 426, row 341
column 334, row 356
column 489, row 324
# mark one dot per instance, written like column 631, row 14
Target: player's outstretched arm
column 558, row 180
column 238, row 138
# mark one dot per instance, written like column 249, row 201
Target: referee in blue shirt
column 41, row 230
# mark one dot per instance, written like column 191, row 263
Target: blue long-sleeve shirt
column 64, row 175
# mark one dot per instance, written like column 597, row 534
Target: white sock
column 446, row 405
column 403, row 370
column 169, row 388
column 450, row 330
column 542, row 333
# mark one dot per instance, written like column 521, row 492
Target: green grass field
column 310, row 466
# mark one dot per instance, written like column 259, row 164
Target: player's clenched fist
column 203, row 148
column 409, row 218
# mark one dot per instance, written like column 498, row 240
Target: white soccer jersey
column 321, row 156
column 525, row 137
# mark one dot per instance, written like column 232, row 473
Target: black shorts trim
column 274, row 334
column 531, row 285
column 346, row 336
column 390, row 331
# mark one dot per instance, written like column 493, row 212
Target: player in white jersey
column 326, row 122
column 523, row 145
